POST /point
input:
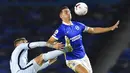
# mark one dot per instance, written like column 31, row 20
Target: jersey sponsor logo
column 75, row 38
column 77, row 27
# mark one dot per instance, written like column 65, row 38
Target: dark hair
column 64, row 7
column 18, row 40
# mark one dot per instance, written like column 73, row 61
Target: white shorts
column 31, row 67
column 84, row 62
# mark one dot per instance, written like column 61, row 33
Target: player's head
column 19, row 41
column 65, row 13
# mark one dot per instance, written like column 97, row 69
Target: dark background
column 38, row 19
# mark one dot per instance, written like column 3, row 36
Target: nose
column 68, row 13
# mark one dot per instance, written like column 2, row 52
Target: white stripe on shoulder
column 86, row 29
column 55, row 37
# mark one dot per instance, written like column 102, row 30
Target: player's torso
column 74, row 33
column 18, row 59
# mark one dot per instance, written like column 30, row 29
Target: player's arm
column 97, row 30
column 57, row 35
column 52, row 40
column 45, row 44
column 41, row 44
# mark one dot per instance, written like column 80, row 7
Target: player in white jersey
column 19, row 60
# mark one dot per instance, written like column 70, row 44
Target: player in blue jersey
column 77, row 60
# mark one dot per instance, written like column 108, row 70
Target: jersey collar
column 66, row 23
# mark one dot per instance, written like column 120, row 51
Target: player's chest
column 73, row 30
column 24, row 56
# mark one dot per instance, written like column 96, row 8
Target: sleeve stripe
column 86, row 29
column 29, row 46
column 55, row 37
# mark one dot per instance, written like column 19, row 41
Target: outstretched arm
column 97, row 30
column 45, row 44
column 41, row 44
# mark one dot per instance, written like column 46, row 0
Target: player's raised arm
column 97, row 30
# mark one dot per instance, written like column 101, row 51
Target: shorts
column 83, row 61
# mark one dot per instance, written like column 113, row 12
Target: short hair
column 64, row 7
column 18, row 40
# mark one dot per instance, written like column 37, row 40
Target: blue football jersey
column 74, row 33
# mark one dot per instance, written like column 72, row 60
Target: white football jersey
column 19, row 58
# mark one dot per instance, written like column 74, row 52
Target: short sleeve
column 83, row 26
column 58, row 33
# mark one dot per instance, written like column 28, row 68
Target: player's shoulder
column 74, row 22
column 61, row 27
column 18, row 48
column 77, row 23
column 21, row 46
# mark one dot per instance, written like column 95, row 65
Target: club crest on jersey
column 77, row 27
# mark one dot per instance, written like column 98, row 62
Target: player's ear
column 60, row 15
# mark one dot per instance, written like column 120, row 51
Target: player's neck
column 67, row 22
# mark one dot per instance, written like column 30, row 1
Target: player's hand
column 115, row 26
column 52, row 60
column 58, row 45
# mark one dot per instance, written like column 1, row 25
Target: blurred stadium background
column 38, row 19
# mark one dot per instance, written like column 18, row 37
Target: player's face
column 66, row 14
